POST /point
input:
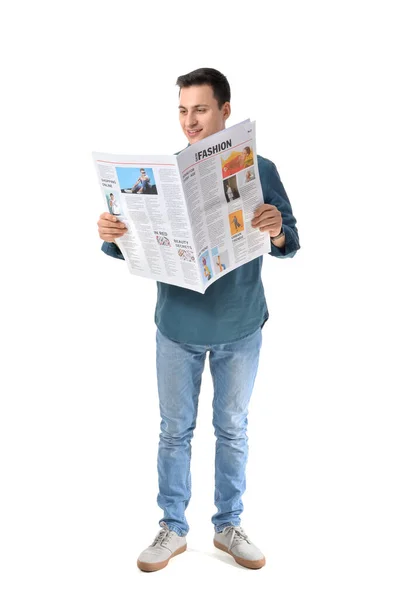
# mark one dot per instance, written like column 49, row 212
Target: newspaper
column 188, row 215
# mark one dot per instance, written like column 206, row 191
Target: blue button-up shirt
column 234, row 306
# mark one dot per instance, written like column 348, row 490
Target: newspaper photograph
column 188, row 215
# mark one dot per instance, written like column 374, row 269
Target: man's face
column 199, row 113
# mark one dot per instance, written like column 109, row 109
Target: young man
column 226, row 321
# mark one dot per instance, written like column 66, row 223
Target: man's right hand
column 110, row 228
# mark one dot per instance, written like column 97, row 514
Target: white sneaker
column 235, row 542
column 166, row 544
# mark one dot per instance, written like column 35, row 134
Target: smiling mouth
column 193, row 132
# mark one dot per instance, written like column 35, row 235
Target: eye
column 201, row 110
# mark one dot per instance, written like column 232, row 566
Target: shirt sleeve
column 112, row 250
column 276, row 195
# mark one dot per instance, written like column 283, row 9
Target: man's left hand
column 267, row 218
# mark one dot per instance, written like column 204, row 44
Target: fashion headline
column 213, row 150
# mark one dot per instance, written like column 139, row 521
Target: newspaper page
column 145, row 193
column 222, row 187
column 188, row 216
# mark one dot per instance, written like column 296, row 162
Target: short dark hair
column 212, row 77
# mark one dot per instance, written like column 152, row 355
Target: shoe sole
column 149, row 567
column 249, row 564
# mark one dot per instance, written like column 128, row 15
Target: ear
column 226, row 110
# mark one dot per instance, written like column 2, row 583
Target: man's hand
column 267, row 218
column 110, row 228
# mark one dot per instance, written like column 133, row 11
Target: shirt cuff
column 291, row 244
column 112, row 250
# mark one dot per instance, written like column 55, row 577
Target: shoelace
column 237, row 535
column 162, row 535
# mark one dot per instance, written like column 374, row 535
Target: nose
column 191, row 120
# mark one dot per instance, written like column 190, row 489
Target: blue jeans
column 143, row 185
column 233, row 368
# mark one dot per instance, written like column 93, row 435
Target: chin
column 198, row 139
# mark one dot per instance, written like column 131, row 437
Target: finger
column 269, row 226
column 264, row 208
column 258, row 211
column 108, row 216
column 106, row 223
column 271, row 221
column 266, row 214
column 111, row 233
column 109, row 230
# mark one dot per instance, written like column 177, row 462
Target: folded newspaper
column 188, row 216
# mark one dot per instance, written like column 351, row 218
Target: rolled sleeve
column 112, row 250
column 275, row 193
column 291, row 244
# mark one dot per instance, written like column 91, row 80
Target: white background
column 79, row 409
